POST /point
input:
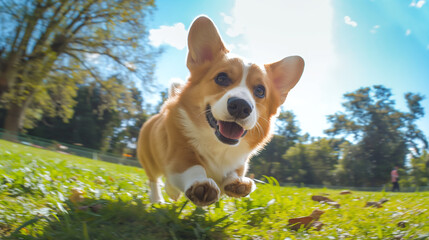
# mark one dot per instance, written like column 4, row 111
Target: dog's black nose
column 239, row 108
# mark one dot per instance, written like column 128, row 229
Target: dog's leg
column 237, row 185
column 202, row 191
column 155, row 191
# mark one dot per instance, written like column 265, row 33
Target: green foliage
column 90, row 125
column 35, row 204
column 269, row 161
column 312, row 163
column 114, row 129
column 419, row 171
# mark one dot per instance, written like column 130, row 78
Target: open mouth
column 226, row 132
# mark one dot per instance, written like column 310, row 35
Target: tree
column 49, row 47
column 418, row 174
column 269, row 161
column 90, row 125
column 124, row 139
column 382, row 135
column 312, row 163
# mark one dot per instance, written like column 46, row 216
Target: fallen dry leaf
column 308, row 222
column 344, row 192
column 296, row 223
column 378, row 204
column 402, row 224
column 373, row 204
column 319, row 198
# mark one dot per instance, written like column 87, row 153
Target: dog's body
column 208, row 129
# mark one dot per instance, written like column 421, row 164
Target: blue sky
column 346, row 45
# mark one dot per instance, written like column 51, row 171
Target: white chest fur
column 219, row 158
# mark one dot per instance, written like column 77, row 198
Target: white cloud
column 349, row 21
column 374, row 29
column 427, row 47
column 174, row 36
column 287, row 28
column 417, row 4
column 227, row 19
column 235, row 29
column 408, row 32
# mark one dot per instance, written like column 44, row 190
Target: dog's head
column 235, row 99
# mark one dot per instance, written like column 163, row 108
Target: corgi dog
column 207, row 130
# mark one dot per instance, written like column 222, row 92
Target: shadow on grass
column 105, row 219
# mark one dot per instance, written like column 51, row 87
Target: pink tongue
column 230, row 130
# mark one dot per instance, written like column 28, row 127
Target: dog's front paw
column 239, row 187
column 203, row 193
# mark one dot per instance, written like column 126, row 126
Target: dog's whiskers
column 266, row 120
column 203, row 113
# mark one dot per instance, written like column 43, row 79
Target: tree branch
column 93, row 75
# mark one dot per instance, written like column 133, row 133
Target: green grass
column 36, row 185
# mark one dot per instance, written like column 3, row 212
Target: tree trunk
column 14, row 120
column 7, row 72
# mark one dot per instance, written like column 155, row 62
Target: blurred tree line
column 364, row 143
column 68, row 72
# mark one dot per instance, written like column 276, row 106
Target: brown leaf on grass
column 374, row 204
column 77, row 195
column 378, row 204
column 307, row 222
column 344, row 192
column 319, row 198
column 402, row 224
column 296, row 223
column 329, row 201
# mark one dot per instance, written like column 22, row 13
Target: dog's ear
column 285, row 74
column 204, row 42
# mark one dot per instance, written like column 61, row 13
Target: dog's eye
column 259, row 91
column 223, row 79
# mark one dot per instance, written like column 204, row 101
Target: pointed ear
column 204, row 42
column 285, row 74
